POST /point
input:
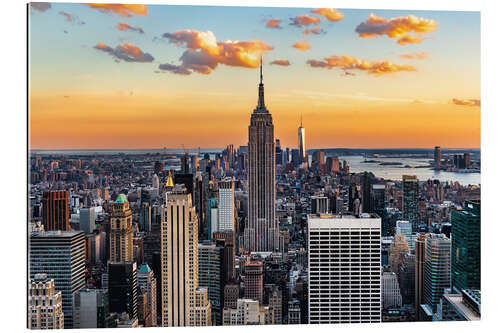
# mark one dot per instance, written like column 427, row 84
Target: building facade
column 44, row 304
column 55, row 210
column 120, row 238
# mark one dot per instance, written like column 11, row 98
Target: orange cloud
column 350, row 63
column 126, row 52
column 122, row 26
column 71, row 18
column 125, row 10
column 274, row 23
column 417, row 56
column 331, row 14
column 302, row 46
column 305, row 19
column 466, row 102
column 204, row 53
column 315, row 31
column 397, row 27
column 280, row 62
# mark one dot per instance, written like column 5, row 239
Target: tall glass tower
column 302, row 142
column 261, row 232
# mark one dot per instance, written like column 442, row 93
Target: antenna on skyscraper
column 261, row 69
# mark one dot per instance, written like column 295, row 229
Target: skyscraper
column 87, row 219
column 254, row 283
column 436, row 269
column 261, row 232
column 211, row 275
column 344, row 266
column 410, row 200
column 123, row 288
column 55, row 210
column 226, row 206
column 120, row 238
column 437, row 158
column 179, row 256
column 419, row 271
column 90, row 308
column 60, row 255
column 147, row 282
column 302, row 143
column 466, row 247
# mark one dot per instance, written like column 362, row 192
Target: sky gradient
column 119, row 77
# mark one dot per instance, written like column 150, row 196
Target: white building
column 391, row 294
column 44, row 304
column 344, row 268
column 226, row 205
column 247, row 312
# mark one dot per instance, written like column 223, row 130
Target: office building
column 120, row 238
column 437, row 158
column 123, row 288
column 436, row 269
column 226, row 208
column 145, row 217
column 179, row 257
column 254, row 283
column 201, row 311
column 44, row 304
column 466, row 247
column 211, row 275
column 87, row 219
column 231, row 295
column 262, row 231
column 419, row 271
column 90, row 308
column 247, row 312
column 147, row 282
column 344, row 266
column 55, row 210
column 410, row 200
column 391, row 294
column 294, row 312
column 319, row 205
column 60, row 255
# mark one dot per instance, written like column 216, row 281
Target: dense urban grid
column 252, row 235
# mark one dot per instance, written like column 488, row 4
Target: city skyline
column 356, row 104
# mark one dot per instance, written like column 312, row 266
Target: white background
column 13, row 108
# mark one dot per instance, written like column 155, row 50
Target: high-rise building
column 301, row 134
column 419, row 271
column 254, row 282
column 60, row 255
column 231, row 295
column 391, row 294
column 406, row 278
column 466, row 247
column 44, row 304
column 344, row 268
column 437, row 158
column 378, row 198
column 55, row 210
column 179, row 256
column 279, row 153
column 437, row 269
column 90, row 308
column 226, row 208
column 398, row 250
column 123, row 288
column 200, row 313
column 318, row 159
column 120, row 238
column 147, row 282
column 262, row 231
column 410, row 200
column 87, row 219
column 319, row 205
column 211, row 274
column 145, row 217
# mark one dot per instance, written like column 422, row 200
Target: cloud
column 125, row 10
column 349, row 63
column 302, row 46
column 40, row 6
column 204, row 53
column 280, row 62
column 415, row 55
column 331, row 14
column 273, row 23
column 315, row 31
column 126, row 52
column 397, row 27
column 300, row 21
column 71, row 18
column 122, row 26
column 466, row 102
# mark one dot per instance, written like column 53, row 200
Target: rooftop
column 121, row 199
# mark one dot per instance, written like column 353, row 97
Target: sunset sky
column 135, row 76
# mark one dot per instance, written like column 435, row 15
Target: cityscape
column 267, row 232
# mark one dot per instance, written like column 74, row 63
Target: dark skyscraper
column 123, row 288
column 55, row 210
column 437, row 158
column 410, row 200
column 466, row 247
column 261, row 232
column 279, row 153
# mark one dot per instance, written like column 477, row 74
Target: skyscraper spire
column 261, row 107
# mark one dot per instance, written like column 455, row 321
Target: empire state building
column 262, row 230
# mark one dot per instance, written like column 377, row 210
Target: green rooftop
column 144, row 268
column 121, row 199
